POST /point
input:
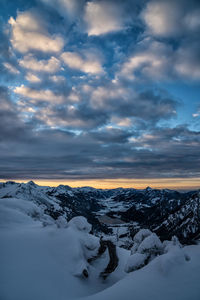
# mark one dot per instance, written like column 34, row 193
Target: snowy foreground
column 46, row 263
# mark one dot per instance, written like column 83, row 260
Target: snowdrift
column 44, row 259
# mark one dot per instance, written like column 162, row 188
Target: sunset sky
column 101, row 93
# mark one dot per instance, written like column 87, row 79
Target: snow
column 49, row 262
column 19, row 204
column 135, row 261
column 28, row 192
column 150, row 243
column 15, row 212
column 20, row 211
column 141, row 235
column 154, row 282
column 39, row 264
column 80, row 223
column 42, row 263
column 61, row 222
column 138, row 238
column 109, row 204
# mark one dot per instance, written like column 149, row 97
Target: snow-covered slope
column 41, row 263
column 168, row 277
column 184, row 222
column 44, row 257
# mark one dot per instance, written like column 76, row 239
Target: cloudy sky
column 100, row 92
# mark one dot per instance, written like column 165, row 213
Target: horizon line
column 156, row 183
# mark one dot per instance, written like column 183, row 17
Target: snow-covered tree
column 87, row 245
column 138, row 238
column 61, row 222
column 151, row 246
column 148, row 246
column 80, row 223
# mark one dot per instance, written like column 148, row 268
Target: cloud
column 157, row 61
column 5, row 50
column 197, row 113
column 171, row 153
column 169, row 139
column 111, row 135
column 95, row 107
column 66, row 8
column 29, row 33
column 124, row 102
column 57, row 78
column 149, row 60
column 38, row 95
column 12, row 127
column 155, row 152
column 102, row 18
column 11, row 68
column 121, row 122
column 65, row 118
column 32, row 77
column 103, row 96
column 162, row 17
column 89, row 64
column 187, row 63
column 192, row 20
column 29, row 62
column 71, row 116
column 115, row 105
column 171, row 18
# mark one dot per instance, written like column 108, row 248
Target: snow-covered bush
column 174, row 246
column 61, row 222
column 174, row 243
column 141, row 235
column 148, row 246
column 87, row 245
column 138, row 238
column 80, row 223
column 151, row 246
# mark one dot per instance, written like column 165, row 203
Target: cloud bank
column 100, row 89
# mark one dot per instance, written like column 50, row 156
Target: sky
column 103, row 92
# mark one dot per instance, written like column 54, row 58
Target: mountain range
column 121, row 212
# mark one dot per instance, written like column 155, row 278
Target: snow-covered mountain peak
column 166, row 212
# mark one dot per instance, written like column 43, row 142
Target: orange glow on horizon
column 160, row 183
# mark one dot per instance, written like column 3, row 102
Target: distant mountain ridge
column 165, row 212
